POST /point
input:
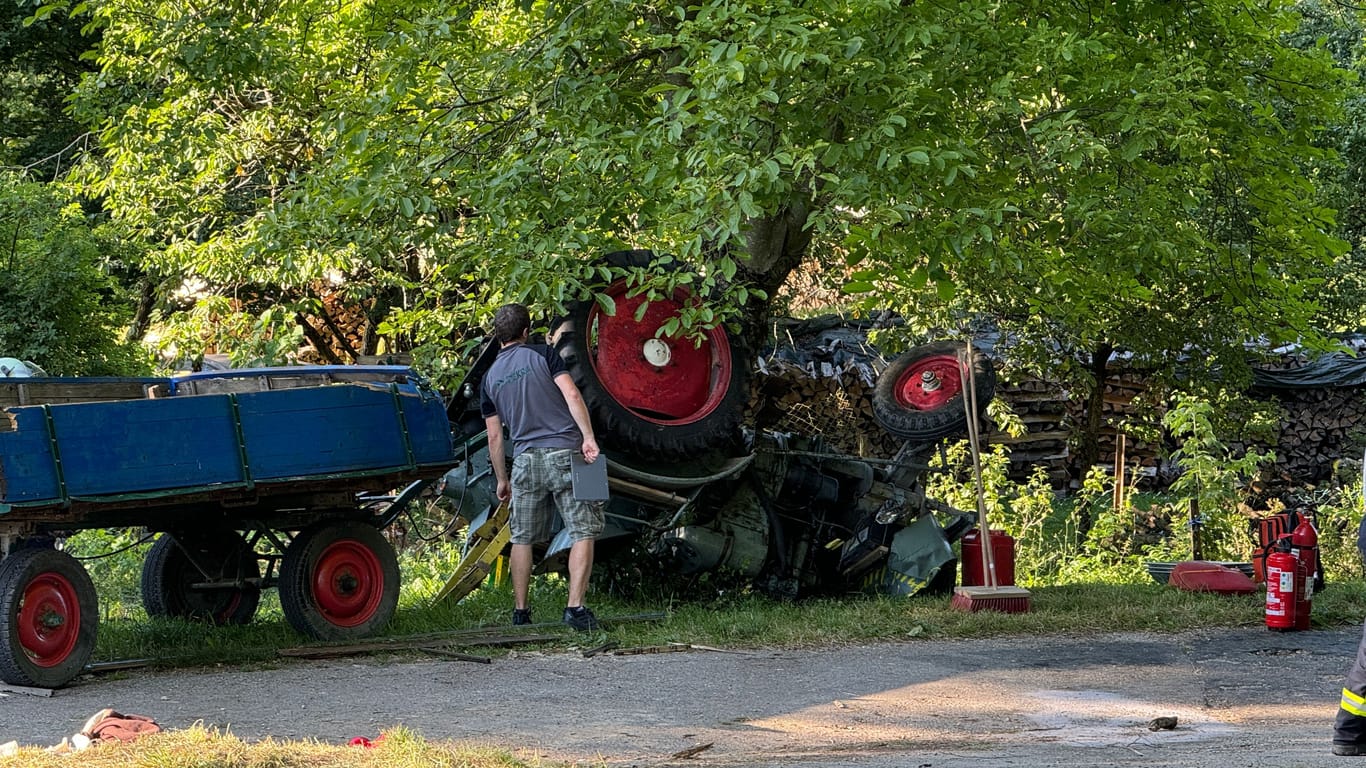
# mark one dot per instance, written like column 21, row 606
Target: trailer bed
column 57, row 456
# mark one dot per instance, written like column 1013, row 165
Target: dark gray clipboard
column 590, row 480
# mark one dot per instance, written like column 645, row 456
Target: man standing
column 529, row 389
column 1349, row 729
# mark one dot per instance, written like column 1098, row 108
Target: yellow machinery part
column 486, row 543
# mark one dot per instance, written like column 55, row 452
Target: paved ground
column 1242, row 698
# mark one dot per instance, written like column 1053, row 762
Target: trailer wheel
column 339, row 581
column 920, row 395
column 661, row 397
column 49, row 618
column 172, row 568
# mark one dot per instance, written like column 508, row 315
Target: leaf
column 605, row 303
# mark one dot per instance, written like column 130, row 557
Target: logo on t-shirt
column 517, row 375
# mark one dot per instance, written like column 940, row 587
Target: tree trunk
column 142, row 317
column 775, row 246
column 1088, row 441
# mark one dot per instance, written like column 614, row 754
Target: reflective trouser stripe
column 1353, row 703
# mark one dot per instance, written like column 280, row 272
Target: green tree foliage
column 40, row 65
column 58, row 306
column 1120, row 175
column 1338, row 29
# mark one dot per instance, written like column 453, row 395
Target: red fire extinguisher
column 1304, row 541
column 1282, row 588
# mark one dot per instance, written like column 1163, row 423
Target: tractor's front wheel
column 920, row 395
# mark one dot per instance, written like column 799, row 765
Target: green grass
column 749, row 620
column 1121, row 599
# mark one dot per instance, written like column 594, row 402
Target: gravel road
column 1242, row 697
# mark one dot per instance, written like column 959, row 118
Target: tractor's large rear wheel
column 659, row 396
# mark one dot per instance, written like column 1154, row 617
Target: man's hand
column 590, row 450
column 504, row 491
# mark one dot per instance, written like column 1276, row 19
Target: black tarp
column 1333, row 370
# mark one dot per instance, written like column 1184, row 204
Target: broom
column 991, row 596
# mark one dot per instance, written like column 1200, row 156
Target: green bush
column 59, row 307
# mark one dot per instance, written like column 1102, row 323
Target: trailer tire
column 658, row 397
column 169, row 571
column 907, row 408
column 49, row 618
column 339, row 581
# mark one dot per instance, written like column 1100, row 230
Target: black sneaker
column 1350, row 750
column 581, row 619
column 521, row 616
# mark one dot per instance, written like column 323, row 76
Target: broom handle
column 984, row 528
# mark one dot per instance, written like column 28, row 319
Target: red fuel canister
column 1002, row 550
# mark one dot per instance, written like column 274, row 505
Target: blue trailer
column 285, row 468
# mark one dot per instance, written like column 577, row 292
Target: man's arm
column 497, row 457
column 579, row 411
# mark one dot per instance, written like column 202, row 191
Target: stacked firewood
column 833, row 402
column 1318, row 428
column 340, row 333
column 1122, row 418
column 1043, row 409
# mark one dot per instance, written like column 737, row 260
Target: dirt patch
column 1241, row 698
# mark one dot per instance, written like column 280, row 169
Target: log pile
column 1053, row 415
column 833, row 403
column 1318, row 428
column 1043, row 409
column 1122, row 414
column 341, row 333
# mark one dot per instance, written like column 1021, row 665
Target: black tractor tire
column 909, row 410
column 49, row 616
column 169, row 572
column 339, row 581
column 643, row 415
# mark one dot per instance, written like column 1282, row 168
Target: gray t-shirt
column 520, row 389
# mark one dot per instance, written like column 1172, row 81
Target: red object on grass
column 1205, row 576
column 1304, row 545
column 1002, row 552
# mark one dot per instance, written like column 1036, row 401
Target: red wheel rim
column 662, row 380
column 49, row 619
column 929, row 383
column 348, row 583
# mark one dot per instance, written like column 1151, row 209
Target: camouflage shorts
column 540, row 485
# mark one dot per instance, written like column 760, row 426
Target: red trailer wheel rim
column 49, row 619
column 929, row 383
column 659, row 379
column 348, row 583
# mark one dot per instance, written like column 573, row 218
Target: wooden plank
column 115, row 666
column 45, row 693
column 17, row 392
column 331, row 651
column 458, row 656
column 1030, row 437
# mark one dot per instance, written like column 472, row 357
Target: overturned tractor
column 694, row 491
